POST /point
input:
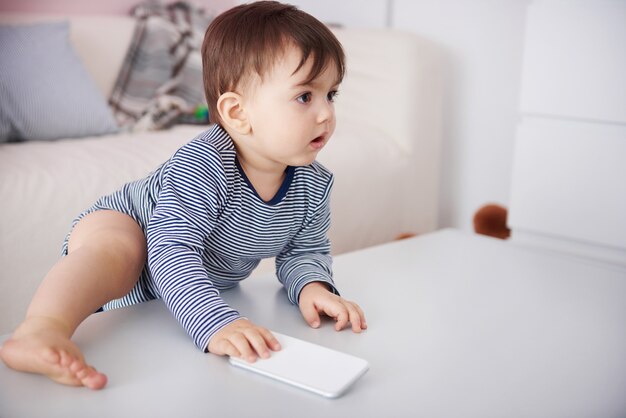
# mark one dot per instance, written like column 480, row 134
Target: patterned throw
column 160, row 82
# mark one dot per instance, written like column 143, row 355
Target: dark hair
column 253, row 36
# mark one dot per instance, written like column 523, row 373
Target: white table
column 460, row 326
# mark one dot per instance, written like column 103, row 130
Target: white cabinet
column 568, row 188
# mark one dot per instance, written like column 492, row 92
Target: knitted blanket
column 160, row 82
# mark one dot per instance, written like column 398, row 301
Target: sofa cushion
column 45, row 91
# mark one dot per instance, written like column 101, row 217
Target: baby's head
column 249, row 39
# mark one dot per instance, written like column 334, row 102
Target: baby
column 248, row 188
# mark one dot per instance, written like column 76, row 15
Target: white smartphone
column 309, row 366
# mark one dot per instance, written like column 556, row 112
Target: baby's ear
column 232, row 113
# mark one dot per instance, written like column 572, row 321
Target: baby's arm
column 188, row 204
column 304, row 268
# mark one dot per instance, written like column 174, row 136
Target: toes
column 92, row 379
column 77, row 367
column 87, row 375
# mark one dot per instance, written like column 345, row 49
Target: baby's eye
column 304, row 98
column 331, row 95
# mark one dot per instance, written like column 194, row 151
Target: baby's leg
column 107, row 252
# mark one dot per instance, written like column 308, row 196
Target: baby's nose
column 326, row 112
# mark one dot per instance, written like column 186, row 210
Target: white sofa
column 385, row 154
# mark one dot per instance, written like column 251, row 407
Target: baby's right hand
column 245, row 340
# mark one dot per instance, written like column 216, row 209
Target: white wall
column 353, row 13
column 481, row 42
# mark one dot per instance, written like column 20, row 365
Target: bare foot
column 40, row 346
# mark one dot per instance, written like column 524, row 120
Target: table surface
column 459, row 326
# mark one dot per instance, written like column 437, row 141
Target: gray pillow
column 45, row 92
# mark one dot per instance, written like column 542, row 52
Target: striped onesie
column 207, row 229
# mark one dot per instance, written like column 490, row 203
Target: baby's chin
column 305, row 160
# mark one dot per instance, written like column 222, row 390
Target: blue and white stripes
column 207, row 229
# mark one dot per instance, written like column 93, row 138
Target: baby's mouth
column 318, row 142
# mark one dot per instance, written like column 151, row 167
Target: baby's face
column 291, row 121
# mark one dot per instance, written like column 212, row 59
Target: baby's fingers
column 310, row 314
column 342, row 319
column 262, row 341
column 349, row 312
column 245, row 347
column 361, row 316
column 357, row 317
column 271, row 341
column 225, row 347
column 337, row 310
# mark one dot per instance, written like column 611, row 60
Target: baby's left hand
column 315, row 298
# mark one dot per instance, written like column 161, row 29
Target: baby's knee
column 113, row 235
column 126, row 259
column 129, row 250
